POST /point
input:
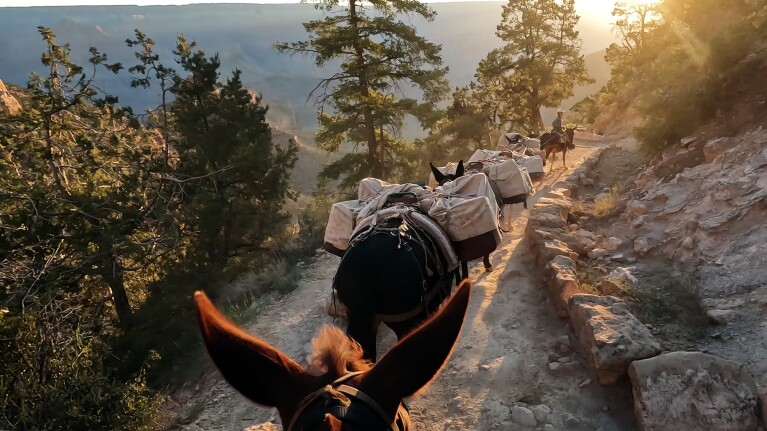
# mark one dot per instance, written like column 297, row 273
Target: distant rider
column 557, row 126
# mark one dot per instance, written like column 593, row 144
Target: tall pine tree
column 363, row 104
column 541, row 62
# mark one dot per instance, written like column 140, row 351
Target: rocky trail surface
column 514, row 366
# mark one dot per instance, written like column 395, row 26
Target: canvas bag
column 341, row 223
column 510, row 178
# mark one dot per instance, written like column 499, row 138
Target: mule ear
column 459, row 169
column 438, row 175
column 413, row 362
column 257, row 370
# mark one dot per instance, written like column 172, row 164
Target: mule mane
column 335, row 353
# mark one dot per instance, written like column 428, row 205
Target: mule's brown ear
column 438, row 175
column 413, row 362
column 459, row 169
column 257, row 370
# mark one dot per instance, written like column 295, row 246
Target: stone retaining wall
column 667, row 388
column 610, row 337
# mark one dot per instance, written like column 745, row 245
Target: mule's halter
column 366, row 414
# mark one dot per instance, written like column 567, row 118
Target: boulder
column 609, row 335
column 563, row 204
column 667, row 169
column 547, row 220
column 523, row 416
column 754, row 163
column 693, row 391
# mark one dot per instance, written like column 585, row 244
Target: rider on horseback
column 557, row 126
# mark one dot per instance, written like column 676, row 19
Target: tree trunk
column 114, row 276
column 538, row 118
column 374, row 163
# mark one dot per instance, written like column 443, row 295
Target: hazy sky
column 596, row 8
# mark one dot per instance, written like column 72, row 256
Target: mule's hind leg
column 363, row 329
column 486, row 262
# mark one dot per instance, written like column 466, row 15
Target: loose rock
column 523, row 416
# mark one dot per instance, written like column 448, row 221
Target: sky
column 596, row 8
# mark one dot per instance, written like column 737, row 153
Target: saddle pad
column 421, row 221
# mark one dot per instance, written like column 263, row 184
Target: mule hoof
column 489, row 268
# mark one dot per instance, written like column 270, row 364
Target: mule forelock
column 335, row 353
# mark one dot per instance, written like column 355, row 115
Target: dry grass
column 608, row 205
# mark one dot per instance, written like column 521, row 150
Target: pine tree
column 363, row 104
column 541, row 62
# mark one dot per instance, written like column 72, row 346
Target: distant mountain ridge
column 244, row 36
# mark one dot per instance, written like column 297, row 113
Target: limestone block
column 693, row 391
column 563, row 204
column 609, row 335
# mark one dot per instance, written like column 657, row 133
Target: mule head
column 443, row 178
column 570, row 132
column 267, row 376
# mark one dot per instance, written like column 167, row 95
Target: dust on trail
column 509, row 369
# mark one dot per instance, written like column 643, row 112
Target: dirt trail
column 512, row 368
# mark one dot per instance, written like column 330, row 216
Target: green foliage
column 465, row 127
column 363, row 104
column 679, row 63
column 588, row 109
column 539, row 65
column 108, row 223
column 54, row 376
column 235, row 180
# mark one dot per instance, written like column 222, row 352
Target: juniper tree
column 78, row 238
column 234, row 179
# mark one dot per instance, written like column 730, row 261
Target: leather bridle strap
column 346, row 390
column 358, row 394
